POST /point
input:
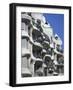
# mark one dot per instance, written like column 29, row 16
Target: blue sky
column 57, row 22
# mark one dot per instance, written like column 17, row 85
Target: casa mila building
column 42, row 54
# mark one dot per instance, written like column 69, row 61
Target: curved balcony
column 24, row 34
column 26, row 72
column 51, row 45
column 36, row 59
column 33, row 58
column 25, row 52
column 47, row 56
column 46, row 42
column 37, row 44
column 36, row 30
column 44, row 51
column 31, row 40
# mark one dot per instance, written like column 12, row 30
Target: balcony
column 52, row 45
column 40, row 60
column 37, row 53
column 36, row 59
column 47, row 56
column 36, row 30
column 31, row 40
column 36, row 42
column 37, row 38
column 45, row 45
column 37, row 45
column 44, row 51
column 46, row 42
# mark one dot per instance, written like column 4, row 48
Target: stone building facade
column 42, row 54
